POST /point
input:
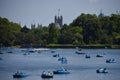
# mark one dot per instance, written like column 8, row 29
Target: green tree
column 71, row 35
column 91, row 27
column 7, row 31
column 53, row 33
column 41, row 35
column 25, row 29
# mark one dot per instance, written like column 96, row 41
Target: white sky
column 43, row 11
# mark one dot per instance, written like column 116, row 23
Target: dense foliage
column 85, row 29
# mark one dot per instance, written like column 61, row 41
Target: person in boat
column 50, row 73
column 47, row 74
column 17, row 72
column 64, row 69
column 104, row 69
column 43, row 72
column 58, row 55
column 101, row 70
column 113, row 59
column 110, row 60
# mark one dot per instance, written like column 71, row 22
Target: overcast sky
column 43, row 11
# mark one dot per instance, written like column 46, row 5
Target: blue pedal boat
column 19, row 75
column 62, row 71
column 47, row 74
column 101, row 70
column 110, row 61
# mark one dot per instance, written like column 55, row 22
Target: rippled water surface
column 80, row 68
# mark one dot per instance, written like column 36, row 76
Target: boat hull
column 101, row 71
column 46, row 76
column 78, row 52
column 61, row 72
column 110, row 61
column 19, row 75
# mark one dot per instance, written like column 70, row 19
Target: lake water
column 80, row 68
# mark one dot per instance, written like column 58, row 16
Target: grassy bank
column 94, row 46
column 115, row 46
column 91, row 46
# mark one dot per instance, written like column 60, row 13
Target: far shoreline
column 68, row 46
column 87, row 46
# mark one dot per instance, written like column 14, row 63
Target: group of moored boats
column 50, row 74
column 33, row 50
column 100, row 70
column 45, row 74
column 63, row 60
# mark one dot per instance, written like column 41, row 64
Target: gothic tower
column 101, row 14
column 58, row 20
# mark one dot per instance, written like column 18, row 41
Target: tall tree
column 25, row 29
column 7, row 31
column 53, row 33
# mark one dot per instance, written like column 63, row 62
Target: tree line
column 85, row 29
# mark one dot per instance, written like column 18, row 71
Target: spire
column 101, row 11
column 58, row 12
column 101, row 14
column 58, row 19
